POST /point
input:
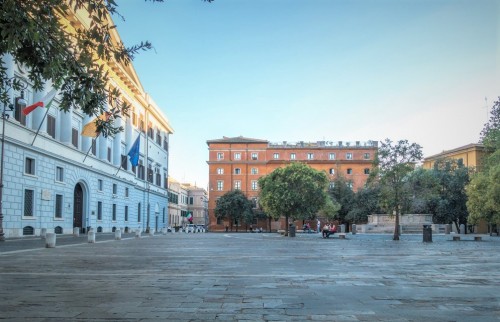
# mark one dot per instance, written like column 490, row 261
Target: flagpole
column 86, row 155
column 40, row 126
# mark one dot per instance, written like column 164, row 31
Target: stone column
column 66, row 126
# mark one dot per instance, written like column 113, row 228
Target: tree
column 296, row 191
column 395, row 162
column 423, row 188
column 452, row 178
column 232, row 206
column 330, row 210
column 342, row 194
column 365, row 202
column 483, row 191
column 39, row 36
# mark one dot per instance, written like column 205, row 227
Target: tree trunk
column 269, row 223
column 396, row 227
column 286, row 225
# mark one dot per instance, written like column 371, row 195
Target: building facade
column 197, row 204
column 470, row 154
column 58, row 180
column 185, row 198
column 239, row 162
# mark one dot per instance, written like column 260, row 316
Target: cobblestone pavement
column 251, row 277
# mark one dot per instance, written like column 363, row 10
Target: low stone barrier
column 50, row 240
column 91, row 237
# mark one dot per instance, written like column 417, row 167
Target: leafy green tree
column 342, row 194
column 452, row 178
column 296, row 191
column 366, row 202
column 330, row 210
column 422, row 186
column 483, row 190
column 233, row 206
column 395, row 161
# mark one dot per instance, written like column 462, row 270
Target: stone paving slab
column 251, row 277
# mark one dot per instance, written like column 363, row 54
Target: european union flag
column 134, row 152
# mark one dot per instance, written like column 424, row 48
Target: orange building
column 239, row 162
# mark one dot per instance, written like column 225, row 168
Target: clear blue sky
column 316, row 70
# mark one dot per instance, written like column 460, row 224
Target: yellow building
column 470, row 154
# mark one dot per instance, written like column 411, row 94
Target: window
column 114, row 212
column 254, row 156
column 29, row 166
column 220, row 185
column 331, row 156
column 141, row 170
column 237, row 171
column 124, row 163
column 366, row 156
column 74, row 137
column 28, row 202
column 276, row 156
column 237, row 156
column 348, row 156
column 349, row 171
column 99, row 210
column 349, row 184
column 150, row 174
column 158, row 137
column 332, row 171
column 109, row 154
column 191, row 200
column 59, row 174
column 220, row 171
column 332, row 185
column 126, row 213
column 157, row 177
column 310, row 156
column 134, row 119
column 94, row 147
column 254, row 171
column 151, row 131
column 254, row 185
column 115, row 189
column 165, row 179
column 99, row 185
column 58, row 207
column 293, row 156
column 141, row 124
column 367, row 171
column 165, row 143
column 126, row 192
column 51, row 126
column 220, row 156
column 237, row 184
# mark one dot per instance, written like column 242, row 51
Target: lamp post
column 21, row 103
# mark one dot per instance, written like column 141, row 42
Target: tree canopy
column 296, row 191
column 395, row 161
column 232, row 206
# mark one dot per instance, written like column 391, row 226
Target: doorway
column 78, row 208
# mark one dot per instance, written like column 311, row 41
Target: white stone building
column 50, row 183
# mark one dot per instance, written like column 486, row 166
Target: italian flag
column 45, row 102
column 189, row 216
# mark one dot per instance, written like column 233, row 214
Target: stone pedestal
column 427, row 234
column 353, row 229
column 462, row 229
column 137, row 233
column 76, row 232
column 447, row 229
column 50, row 240
column 342, row 228
column 118, row 234
column 91, row 237
column 43, row 233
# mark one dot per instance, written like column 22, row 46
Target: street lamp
column 21, row 103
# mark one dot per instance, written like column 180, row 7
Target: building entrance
column 78, row 207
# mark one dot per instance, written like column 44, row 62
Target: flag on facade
column 134, row 152
column 189, row 216
column 45, row 102
column 90, row 129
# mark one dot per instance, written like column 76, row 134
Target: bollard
column 91, row 237
column 43, row 233
column 118, row 234
column 342, row 228
column 50, row 240
column 353, row 229
column 76, row 232
column 427, row 234
column 137, row 233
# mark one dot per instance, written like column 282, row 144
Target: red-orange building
column 239, row 162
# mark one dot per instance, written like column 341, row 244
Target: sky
column 427, row 71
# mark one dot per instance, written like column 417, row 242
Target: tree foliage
column 232, row 206
column 395, row 161
column 366, row 202
column 341, row 193
column 484, row 189
column 423, row 188
column 296, row 191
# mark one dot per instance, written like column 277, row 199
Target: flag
column 134, row 151
column 46, row 101
column 189, row 216
column 90, row 129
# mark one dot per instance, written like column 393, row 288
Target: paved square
column 251, row 277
